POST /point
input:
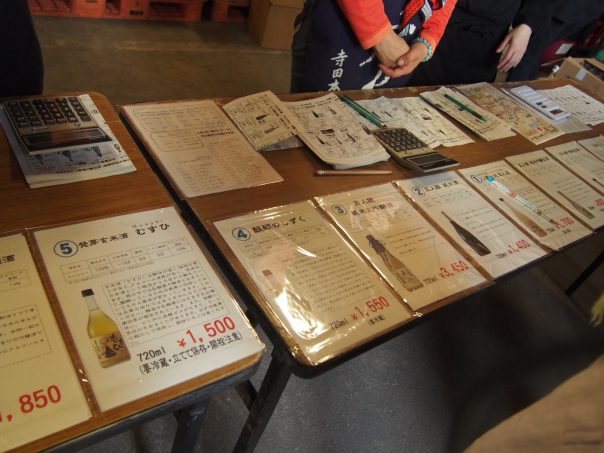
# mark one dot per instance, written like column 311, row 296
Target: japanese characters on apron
column 327, row 56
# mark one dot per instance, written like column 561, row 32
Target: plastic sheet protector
column 472, row 222
column 40, row 390
column 317, row 290
column 197, row 145
column 142, row 303
column 594, row 145
column 584, row 202
column 576, row 158
column 406, row 250
column 535, row 212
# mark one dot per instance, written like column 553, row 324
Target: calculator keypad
column 399, row 140
column 51, row 113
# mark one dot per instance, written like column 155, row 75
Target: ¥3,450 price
column 453, row 268
column 35, row 401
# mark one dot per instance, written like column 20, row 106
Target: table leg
column 262, row 408
column 189, row 420
column 585, row 274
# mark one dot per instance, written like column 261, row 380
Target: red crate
column 229, row 11
column 51, row 7
column 132, row 9
column 89, row 8
column 184, row 10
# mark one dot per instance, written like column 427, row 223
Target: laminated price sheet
column 411, row 255
column 144, row 306
column 547, row 222
column 576, row 158
column 40, row 394
column 319, row 291
column 472, row 222
column 558, row 182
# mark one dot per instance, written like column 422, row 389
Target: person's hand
column 390, row 48
column 407, row 62
column 512, row 48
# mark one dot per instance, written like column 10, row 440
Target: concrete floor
column 432, row 389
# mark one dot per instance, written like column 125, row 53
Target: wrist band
column 428, row 46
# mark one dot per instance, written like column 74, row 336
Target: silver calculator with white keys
column 46, row 124
column 410, row 151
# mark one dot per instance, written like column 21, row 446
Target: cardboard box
column 271, row 22
column 587, row 72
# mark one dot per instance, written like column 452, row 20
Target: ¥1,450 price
column 35, row 401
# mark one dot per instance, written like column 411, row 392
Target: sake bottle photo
column 468, row 237
column 526, row 220
column 106, row 338
column 577, row 206
column 396, row 266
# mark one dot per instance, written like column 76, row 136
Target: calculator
column 410, row 151
column 48, row 124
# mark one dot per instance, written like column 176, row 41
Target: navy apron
column 326, row 55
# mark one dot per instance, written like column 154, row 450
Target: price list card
column 546, row 221
column 594, row 145
column 558, row 182
column 582, row 162
column 144, row 306
column 40, row 390
column 407, row 251
column 474, row 224
column 325, row 297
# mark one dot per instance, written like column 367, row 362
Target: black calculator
column 48, row 124
column 410, row 151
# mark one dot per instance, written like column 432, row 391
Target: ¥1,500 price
column 38, row 399
column 213, row 328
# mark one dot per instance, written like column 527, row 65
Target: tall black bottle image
column 468, row 237
column 396, row 266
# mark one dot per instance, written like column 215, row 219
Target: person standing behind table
column 364, row 44
column 21, row 66
column 565, row 19
column 478, row 41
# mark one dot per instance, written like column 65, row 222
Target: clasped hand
column 396, row 57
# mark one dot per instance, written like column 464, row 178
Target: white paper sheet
column 40, row 390
column 263, row 119
column 418, row 117
column 411, row 255
column 199, row 147
column 489, row 127
column 172, row 317
column 327, row 299
column 524, row 121
column 529, row 207
column 582, row 162
column 585, row 203
column 334, row 134
column 594, row 145
column 472, row 222
column 586, row 108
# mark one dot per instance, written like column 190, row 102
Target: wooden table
column 25, row 208
column 297, row 167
